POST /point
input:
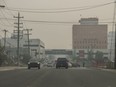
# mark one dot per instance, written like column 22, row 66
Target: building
column 89, row 35
column 111, row 45
column 37, row 47
column 53, row 54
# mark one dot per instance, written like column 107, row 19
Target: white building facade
column 37, row 47
column 111, row 45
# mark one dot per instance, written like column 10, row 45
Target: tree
column 2, row 55
column 90, row 55
column 25, row 58
column 99, row 57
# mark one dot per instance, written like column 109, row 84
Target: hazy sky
column 52, row 34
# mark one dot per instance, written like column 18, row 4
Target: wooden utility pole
column 18, row 34
column 114, row 25
column 28, row 30
column 5, row 31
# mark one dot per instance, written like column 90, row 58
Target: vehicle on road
column 49, row 65
column 33, row 63
column 75, row 65
column 62, row 62
column 69, row 64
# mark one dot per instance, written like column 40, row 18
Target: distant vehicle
column 33, row 63
column 75, row 65
column 49, row 65
column 62, row 62
column 69, row 64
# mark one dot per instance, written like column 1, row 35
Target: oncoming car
column 33, row 63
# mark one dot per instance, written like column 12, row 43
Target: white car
column 69, row 64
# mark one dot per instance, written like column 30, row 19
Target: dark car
column 75, row 65
column 33, row 63
column 62, row 62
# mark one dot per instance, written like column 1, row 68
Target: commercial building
column 37, row 47
column 89, row 35
column 111, row 45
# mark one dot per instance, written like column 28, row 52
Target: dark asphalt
column 51, row 77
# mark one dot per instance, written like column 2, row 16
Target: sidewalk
column 103, row 69
column 110, row 70
column 6, row 68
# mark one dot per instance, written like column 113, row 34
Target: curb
column 10, row 68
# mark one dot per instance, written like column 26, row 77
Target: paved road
column 51, row 77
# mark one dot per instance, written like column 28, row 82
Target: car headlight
column 28, row 62
column 38, row 63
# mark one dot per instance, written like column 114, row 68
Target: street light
column 2, row 6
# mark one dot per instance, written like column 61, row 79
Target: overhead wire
column 3, row 24
column 61, row 11
column 7, row 41
column 5, row 17
column 11, row 11
column 7, row 7
column 4, row 12
column 48, row 9
column 55, row 22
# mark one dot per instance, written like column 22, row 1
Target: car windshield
column 57, row 43
column 61, row 59
column 33, row 60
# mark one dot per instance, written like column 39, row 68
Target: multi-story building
column 89, row 35
column 37, row 47
column 111, row 45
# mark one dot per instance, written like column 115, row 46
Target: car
column 62, row 62
column 69, row 64
column 75, row 65
column 49, row 65
column 33, row 63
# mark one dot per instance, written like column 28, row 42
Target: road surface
column 51, row 77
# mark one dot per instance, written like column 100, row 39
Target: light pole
column 114, row 26
column 2, row 6
column 115, row 50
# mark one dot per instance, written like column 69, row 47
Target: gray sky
column 56, row 35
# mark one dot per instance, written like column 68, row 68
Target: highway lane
column 51, row 77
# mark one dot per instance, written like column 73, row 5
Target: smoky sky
column 57, row 35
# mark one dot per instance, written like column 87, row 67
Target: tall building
column 111, row 45
column 89, row 35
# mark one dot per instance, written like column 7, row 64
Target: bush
column 3, row 57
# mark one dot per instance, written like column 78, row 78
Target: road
column 51, row 77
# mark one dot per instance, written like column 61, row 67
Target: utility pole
column 18, row 34
column 28, row 30
column 114, row 26
column 115, row 49
column 5, row 31
column 2, row 6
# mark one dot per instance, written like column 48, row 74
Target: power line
column 4, row 14
column 5, row 17
column 3, row 24
column 55, row 8
column 7, row 42
column 54, row 22
column 7, row 7
column 61, row 11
